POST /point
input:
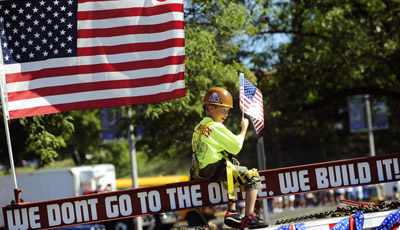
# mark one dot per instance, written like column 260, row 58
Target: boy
column 211, row 142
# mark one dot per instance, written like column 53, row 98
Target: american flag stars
column 47, row 30
column 390, row 222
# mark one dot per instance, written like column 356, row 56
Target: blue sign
column 358, row 116
column 111, row 123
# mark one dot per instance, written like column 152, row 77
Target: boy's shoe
column 233, row 219
column 253, row 221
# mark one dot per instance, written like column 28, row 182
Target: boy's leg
column 252, row 219
column 251, row 197
column 231, row 206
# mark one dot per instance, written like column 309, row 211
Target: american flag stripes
column 63, row 55
column 251, row 102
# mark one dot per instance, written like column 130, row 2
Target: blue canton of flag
column 251, row 102
column 292, row 227
column 344, row 224
column 35, row 32
column 391, row 220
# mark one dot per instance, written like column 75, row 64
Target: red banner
column 193, row 194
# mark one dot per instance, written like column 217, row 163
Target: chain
column 195, row 228
column 345, row 211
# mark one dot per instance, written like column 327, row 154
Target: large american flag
column 251, row 102
column 63, row 55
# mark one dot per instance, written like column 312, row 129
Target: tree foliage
column 47, row 134
column 337, row 49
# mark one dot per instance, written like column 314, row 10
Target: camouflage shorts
column 217, row 171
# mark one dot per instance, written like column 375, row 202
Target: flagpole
column 241, row 75
column 6, row 118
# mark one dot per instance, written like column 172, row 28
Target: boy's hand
column 244, row 123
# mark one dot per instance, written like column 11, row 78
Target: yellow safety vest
column 231, row 171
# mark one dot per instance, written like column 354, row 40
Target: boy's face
column 218, row 113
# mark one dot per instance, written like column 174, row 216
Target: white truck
column 49, row 184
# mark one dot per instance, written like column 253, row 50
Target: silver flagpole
column 3, row 92
column 241, row 75
column 134, row 168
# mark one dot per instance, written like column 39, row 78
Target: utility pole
column 134, row 168
column 262, row 166
column 369, row 126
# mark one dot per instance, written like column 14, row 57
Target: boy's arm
column 226, row 139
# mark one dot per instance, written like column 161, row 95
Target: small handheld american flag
column 251, row 102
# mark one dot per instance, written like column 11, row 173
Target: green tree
column 47, row 134
column 86, row 146
column 38, row 137
column 337, row 49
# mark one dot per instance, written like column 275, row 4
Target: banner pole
column 134, row 168
column 6, row 117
